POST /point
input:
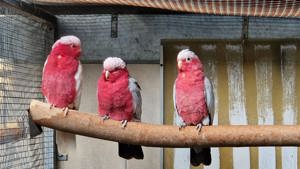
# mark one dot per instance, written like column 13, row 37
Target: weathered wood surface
column 164, row 135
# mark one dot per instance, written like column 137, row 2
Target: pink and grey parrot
column 119, row 98
column 61, row 81
column 193, row 100
column 62, row 74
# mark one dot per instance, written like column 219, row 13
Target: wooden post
column 164, row 135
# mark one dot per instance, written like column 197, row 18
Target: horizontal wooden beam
column 10, row 131
column 91, row 125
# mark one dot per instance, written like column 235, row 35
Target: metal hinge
column 114, row 26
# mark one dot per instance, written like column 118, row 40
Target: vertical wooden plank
column 208, row 55
column 237, row 111
column 251, row 95
column 223, row 116
column 298, row 93
column 161, row 100
column 277, row 93
column 263, row 70
column 169, row 77
column 288, row 76
column 182, row 158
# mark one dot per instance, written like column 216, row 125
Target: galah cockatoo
column 119, row 98
column 61, row 81
column 193, row 100
column 62, row 74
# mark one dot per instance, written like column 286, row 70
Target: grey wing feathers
column 209, row 97
column 177, row 119
column 137, row 98
column 46, row 61
column 174, row 98
column 78, row 80
column 43, row 76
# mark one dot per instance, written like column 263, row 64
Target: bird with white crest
column 119, row 98
column 193, row 100
column 62, row 80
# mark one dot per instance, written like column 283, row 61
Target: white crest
column 67, row 40
column 183, row 54
column 111, row 63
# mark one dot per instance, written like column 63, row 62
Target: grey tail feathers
column 128, row 151
column 203, row 156
column 200, row 155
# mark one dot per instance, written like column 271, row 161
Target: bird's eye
column 72, row 46
column 188, row 59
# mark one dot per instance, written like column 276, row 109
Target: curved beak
column 106, row 74
column 179, row 64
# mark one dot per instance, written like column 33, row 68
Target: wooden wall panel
column 254, row 83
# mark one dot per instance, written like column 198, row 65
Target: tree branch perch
column 91, row 125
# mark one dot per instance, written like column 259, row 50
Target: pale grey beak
column 179, row 64
column 106, row 74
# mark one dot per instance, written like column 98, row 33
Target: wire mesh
column 139, row 36
column 24, row 43
column 270, row 8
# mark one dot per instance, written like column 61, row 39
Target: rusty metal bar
column 164, row 135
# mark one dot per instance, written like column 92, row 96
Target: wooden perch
column 163, row 135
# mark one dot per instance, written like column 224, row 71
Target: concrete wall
column 93, row 153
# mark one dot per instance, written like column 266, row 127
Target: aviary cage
column 250, row 50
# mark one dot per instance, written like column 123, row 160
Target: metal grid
column 24, row 44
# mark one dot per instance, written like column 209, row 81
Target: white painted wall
column 263, row 71
column 288, row 76
column 211, row 73
column 236, row 92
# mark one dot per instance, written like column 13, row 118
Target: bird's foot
column 199, row 127
column 66, row 111
column 123, row 123
column 51, row 106
column 105, row 117
column 135, row 120
column 182, row 125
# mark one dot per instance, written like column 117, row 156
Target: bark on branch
column 163, row 135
